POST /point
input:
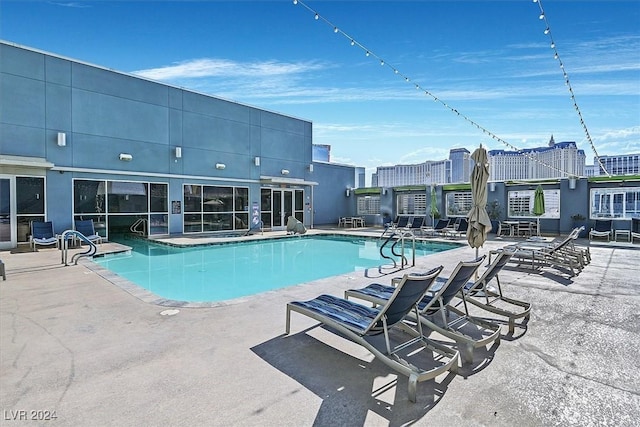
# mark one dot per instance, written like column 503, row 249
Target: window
column 215, row 208
column 615, row 202
column 411, row 204
column 29, row 204
column 368, row 205
column 521, row 204
column 459, row 203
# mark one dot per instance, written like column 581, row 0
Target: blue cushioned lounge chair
column 85, row 226
column 356, row 322
column 42, row 234
column 437, row 301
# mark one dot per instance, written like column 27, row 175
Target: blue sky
column 489, row 60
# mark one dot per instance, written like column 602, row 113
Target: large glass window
column 521, row 204
column 615, row 202
column 215, row 208
column 29, row 204
column 459, row 203
column 412, row 204
column 368, row 205
column 117, row 205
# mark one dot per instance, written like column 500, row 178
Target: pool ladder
column 135, row 227
column 73, row 234
column 400, row 239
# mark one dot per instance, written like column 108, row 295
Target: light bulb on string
column 317, row 17
column 335, row 29
column 367, row 53
column 541, row 16
column 295, row 1
column 546, row 30
column 381, row 62
column 352, row 42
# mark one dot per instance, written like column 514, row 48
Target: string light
column 567, row 82
column 369, row 52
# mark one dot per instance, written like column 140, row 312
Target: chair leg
column 2, row 271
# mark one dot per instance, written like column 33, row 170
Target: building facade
column 78, row 141
column 557, row 160
column 623, row 164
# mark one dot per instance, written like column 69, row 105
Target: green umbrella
column 434, row 206
column 538, row 204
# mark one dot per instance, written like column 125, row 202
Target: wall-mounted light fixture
column 220, row 166
column 348, row 192
column 284, row 171
column 178, row 152
column 384, row 191
column 62, row 139
column 311, row 167
column 572, row 183
column 125, row 157
column 256, row 161
column 492, row 186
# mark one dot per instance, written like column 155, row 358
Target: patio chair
column 602, row 228
column 440, row 227
column 556, row 255
column 437, row 301
column 635, row 229
column 42, row 234
column 357, row 322
column 3, row 273
column 488, row 298
column 415, row 224
column 461, row 226
column 85, row 226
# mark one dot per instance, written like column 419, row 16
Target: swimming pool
column 226, row 271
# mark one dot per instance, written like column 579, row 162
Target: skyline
column 488, row 60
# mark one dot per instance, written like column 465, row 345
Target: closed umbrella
column 434, row 206
column 479, row 221
column 538, row 205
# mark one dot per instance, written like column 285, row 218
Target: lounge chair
column 480, row 294
column 42, row 234
column 460, row 227
column 564, row 246
column 557, row 255
column 602, row 228
column 439, row 228
column 356, row 322
column 85, row 226
column 635, row 229
column 437, row 301
column 415, row 224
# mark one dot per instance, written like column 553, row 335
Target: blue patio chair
column 602, row 228
column 42, row 234
column 357, row 321
column 85, row 226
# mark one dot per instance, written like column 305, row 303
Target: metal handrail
column 134, row 227
column 66, row 235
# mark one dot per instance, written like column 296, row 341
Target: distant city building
column 624, row 164
column 436, row 172
column 460, row 164
column 564, row 158
column 591, row 170
column 359, row 177
column 374, row 180
column 321, row 153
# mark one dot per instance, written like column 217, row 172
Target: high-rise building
column 460, row 164
column 429, row 172
column 557, row 160
column 623, row 164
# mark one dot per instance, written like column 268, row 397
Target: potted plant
column 494, row 210
column 580, row 220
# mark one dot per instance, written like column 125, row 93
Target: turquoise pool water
column 226, row 271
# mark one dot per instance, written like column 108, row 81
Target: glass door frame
column 13, row 216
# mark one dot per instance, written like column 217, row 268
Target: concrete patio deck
column 76, row 345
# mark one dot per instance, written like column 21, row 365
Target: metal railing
column 135, row 227
column 73, row 235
